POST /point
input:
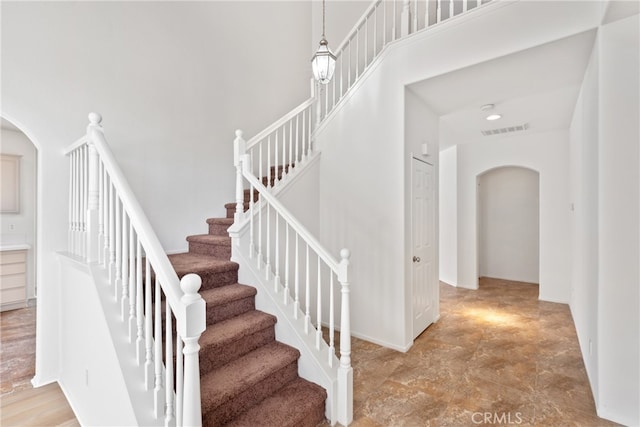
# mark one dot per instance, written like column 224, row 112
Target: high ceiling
column 537, row 86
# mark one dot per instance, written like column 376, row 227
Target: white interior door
column 423, row 245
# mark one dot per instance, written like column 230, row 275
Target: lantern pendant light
column 323, row 63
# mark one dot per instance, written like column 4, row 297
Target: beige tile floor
column 497, row 356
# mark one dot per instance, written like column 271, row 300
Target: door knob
column 416, row 259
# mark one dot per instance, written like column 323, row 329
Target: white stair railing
column 283, row 145
column 303, row 272
column 108, row 227
column 385, row 21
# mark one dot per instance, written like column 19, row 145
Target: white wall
column 584, row 218
column 605, row 300
column 448, row 213
column 548, row 154
column 508, row 231
column 362, row 172
column 173, row 81
column 618, row 220
column 17, row 228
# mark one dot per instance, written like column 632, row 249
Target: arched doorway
column 508, row 224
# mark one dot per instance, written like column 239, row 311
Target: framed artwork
column 9, row 183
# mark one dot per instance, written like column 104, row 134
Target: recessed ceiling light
column 494, row 117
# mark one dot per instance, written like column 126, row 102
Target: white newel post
column 190, row 330
column 405, row 19
column 239, row 150
column 93, row 227
column 345, row 371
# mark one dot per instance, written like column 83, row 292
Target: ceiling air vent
column 508, row 129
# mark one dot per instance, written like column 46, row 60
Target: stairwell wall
column 362, row 173
column 173, row 80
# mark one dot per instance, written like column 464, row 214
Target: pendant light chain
column 323, row 18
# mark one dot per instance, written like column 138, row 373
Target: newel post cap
column 95, row 119
column 190, row 285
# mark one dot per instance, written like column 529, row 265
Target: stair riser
column 219, row 313
column 218, row 251
column 218, row 229
column 212, row 357
column 250, row 397
column 232, row 210
column 217, row 279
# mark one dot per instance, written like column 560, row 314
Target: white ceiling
column 538, row 86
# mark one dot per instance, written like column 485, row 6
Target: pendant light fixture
column 323, row 63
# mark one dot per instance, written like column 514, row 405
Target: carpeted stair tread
column 188, row 262
column 237, row 376
column 230, row 330
column 298, row 404
column 225, row 302
column 226, row 294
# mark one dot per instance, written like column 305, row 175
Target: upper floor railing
column 107, row 227
column 385, row 21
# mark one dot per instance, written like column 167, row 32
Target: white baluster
column 465, row 5
column 450, row 8
column 384, row 23
column 71, row 200
column 93, row 227
column 269, row 179
column 112, row 234
column 190, row 333
column 276, row 178
column 366, row 42
column 297, row 138
column 349, row 74
column 332, row 326
column 124, row 303
column 169, row 418
column 132, row 284
column 290, row 162
column 267, row 270
column 426, row 13
column 105, row 218
column 148, row 336
column 394, row 33
column 139, row 306
column 345, row 371
column 319, row 307
column 100, row 210
column 286, row 263
column 179, row 381
column 296, row 276
column 158, row 390
column 415, row 16
column 307, row 293
column 83, row 201
column 276, row 248
column 251, row 219
column 239, row 149
column 309, row 149
column 357, row 53
column 118, row 250
column 260, row 163
column 438, row 11
column 304, row 135
column 341, row 74
column 260, row 260
column 375, row 32
column 405, row 19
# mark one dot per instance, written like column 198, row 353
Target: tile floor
column 497, row 356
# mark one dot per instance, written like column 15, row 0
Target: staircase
column 247, row 377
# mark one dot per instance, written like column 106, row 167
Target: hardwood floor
column 20, row 403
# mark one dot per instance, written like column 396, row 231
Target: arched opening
column 18, row 246
column 508, row 224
